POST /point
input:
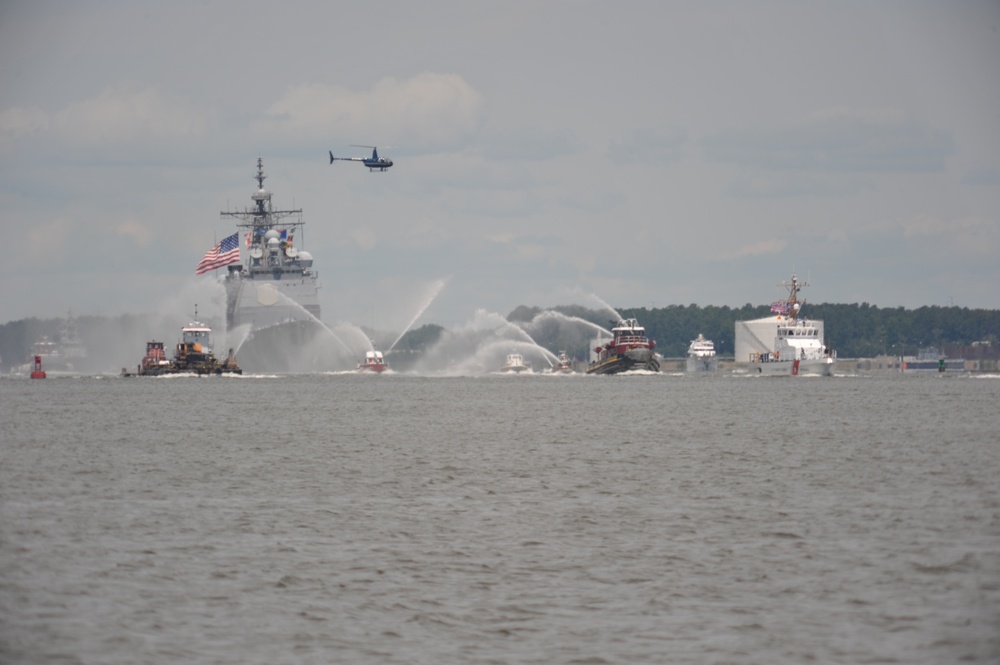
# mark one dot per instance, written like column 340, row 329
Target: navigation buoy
column 38, row 373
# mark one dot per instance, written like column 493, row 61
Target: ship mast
column 263, row 217
column 794, row 286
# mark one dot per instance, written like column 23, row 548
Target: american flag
column 223, row 254
column 779, row 307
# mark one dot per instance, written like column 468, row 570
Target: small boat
column 629, row 348
column 374, row 362
column 514, row 363
column 701, row 355
column 192, row 356
column 564, row 365
column 155, row 361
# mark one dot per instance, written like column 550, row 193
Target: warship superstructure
column 272, row 300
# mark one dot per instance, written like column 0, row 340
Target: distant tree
column 420, row 338
column 523, row 314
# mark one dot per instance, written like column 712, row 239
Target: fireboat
column 628, row 349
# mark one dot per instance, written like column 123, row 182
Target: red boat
column 155, row 361
column 565, row 364
column 629, row 348
column 374, row 362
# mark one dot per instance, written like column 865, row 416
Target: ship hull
column 293, row 347
column 635, row 359
column 263, row 303
column 695, row 365
column 813, row 366
column 200, row 371
column 274, row 325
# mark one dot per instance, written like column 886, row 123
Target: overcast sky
column 546, row 153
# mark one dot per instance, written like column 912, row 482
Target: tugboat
column 192, row 356
column 797, row 347
column 629, row 348
column 701, row 355
column 514, row 364
column 274, row 295
column 374, row 362
column 564, row 365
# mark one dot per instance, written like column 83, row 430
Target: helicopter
column 375, row 162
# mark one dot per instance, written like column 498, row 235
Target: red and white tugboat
column 629, row 348
column 565, row 364
column 155, row 361
column 374, row 362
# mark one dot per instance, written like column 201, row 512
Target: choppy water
column 528, row 519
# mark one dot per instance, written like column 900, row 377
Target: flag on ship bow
column 223, row 254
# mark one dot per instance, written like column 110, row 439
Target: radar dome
column 271, row 235
column 305, row 258
column 272, row 243
column 261, row 195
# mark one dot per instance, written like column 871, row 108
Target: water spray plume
column 618, row 317
column 435, row 290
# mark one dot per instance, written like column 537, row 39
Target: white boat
column 797, row 347
column 701, row 355
column 374, row 362
column 514, row 363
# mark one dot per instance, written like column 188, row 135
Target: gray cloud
column 982, row 175
column 648, row 146
column 836, row 143
column 512, row 162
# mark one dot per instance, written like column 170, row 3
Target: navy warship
column 272, row 301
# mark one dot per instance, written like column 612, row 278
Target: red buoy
column 37, row 373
